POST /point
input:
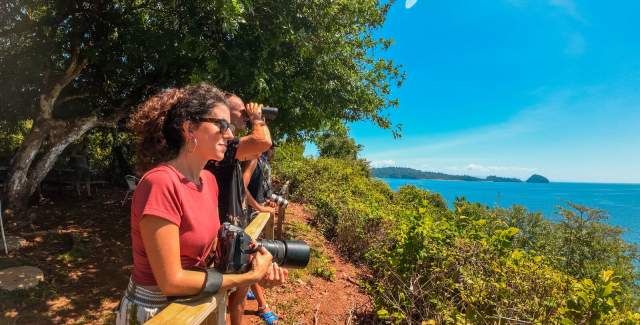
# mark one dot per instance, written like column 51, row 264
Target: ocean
column 620, row 201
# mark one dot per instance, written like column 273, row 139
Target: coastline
column 621, row 202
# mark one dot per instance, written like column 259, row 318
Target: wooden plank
column 254, row 229
column 193, row 313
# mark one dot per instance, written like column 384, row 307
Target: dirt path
column 315, row 300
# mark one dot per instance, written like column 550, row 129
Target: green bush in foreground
column 469, row 264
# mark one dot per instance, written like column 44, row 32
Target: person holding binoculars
column 174, row 210
column 232, row 199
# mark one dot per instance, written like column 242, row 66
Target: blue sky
column 514, row 87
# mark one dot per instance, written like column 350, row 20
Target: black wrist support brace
column 211, row 285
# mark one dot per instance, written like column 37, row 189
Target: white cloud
column 498, row 170
column 410, row 3
column 383, row 163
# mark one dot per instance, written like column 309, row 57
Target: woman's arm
column 161, row 243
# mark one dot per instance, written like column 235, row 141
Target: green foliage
column 12, row 134
column 338, row 145
column 532, row 226
column 322, row 267
column 414, row 196
column 351, row 212
column 469, row 264
column 312, row 59
column 101, row 144
column 586, row 246
column 319, row 263
column 596, row 301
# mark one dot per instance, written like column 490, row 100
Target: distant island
column 410, row 173
column 535, row 178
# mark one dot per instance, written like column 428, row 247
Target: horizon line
column 524, row 181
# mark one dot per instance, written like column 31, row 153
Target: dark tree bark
column 47, row 139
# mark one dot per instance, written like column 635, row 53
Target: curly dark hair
column 157, row 123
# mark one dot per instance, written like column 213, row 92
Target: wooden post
column 268, row 228
column 280, row 226
column 218, row 316
column 282, row 212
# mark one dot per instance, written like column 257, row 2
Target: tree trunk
column 16, row 188
column 26, row 175
column 23, row 181
column 61, row 137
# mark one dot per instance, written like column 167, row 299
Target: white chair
column 132, row 182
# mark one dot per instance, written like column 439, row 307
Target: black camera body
column 234, row 250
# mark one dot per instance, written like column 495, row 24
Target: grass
column 319, row 263
column 78, row 253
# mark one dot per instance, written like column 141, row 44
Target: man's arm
column 259, row 140
column 247, row 172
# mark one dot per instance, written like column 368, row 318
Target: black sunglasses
column 222, row 124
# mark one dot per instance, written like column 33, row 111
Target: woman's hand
column 276, row 276
column 261, row 263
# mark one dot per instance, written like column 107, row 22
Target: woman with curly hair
column 174, row 210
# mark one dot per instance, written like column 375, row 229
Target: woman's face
column 212, row 143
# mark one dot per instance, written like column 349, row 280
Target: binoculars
column 269, row 113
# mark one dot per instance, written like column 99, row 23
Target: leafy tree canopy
column 312, row 59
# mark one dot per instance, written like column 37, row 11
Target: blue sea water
column 620, row 201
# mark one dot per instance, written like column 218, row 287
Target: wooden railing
column 211, row 311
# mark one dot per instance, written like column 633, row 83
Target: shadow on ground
column 83, row 247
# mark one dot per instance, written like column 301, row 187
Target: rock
column 20, row 277
column 535, row 178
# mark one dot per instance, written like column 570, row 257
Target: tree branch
column 48, row 99
column 18, row 28
column 111, row 120
column 70, row 98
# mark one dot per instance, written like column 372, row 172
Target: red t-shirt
column 165, row 193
